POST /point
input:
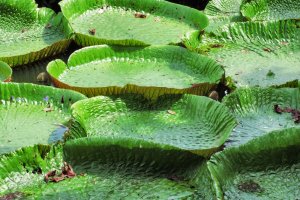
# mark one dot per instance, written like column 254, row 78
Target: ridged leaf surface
column 263, row 10
column 28, row 33
column 188, row 123
column 264, row 168
column 254, row 109
column 104, row 172
column 221, row 12
column 151, row 71
column 32, row 114
column 126, row 22
column 256, row 53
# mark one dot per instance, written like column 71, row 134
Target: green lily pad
column 134, row 23
column 223, row 8
column 189, row 123
column 259, row 10
column 28, row 33
column 221, row 12
column 251, row 51
column 32, row 114
column 116, row 173
column 5, row 72
column 254, row 109
column 151, row 71
column 264, row 168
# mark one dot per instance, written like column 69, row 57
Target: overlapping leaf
column 262, row 10
column 28, row 33
column 104, row 172
column 151, row 71
column 140, row 22
column 32, row 114
column 254, row 109
column 189, row 123
column 264, row 168
column 256, row 53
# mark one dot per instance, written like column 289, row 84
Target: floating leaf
column 28, row 33
column 151, row 71
column 134, row 23
column 27, row 119
column 193, row 123
column 256, row 110
column 264, row 168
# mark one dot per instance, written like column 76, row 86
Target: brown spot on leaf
column 8, row 79
column 294, row 112
column 67, row 172
column 267, row 50
column 49, row 175
column 92, row 31
column 250, row 186
column 216, row 45
column 277, row 109
column 140, row 15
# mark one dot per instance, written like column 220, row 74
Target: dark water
column 28, row 73
column 58, row 134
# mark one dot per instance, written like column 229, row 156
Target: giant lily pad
column 32, row 114
column 124, row 22
column 254, row 109
column 221, row 12
column 103, row 172
column 258, row 10
column 265, row 168
column 28, row 33
column 151, row 71
column 189, row 123
column 256, row 53
column 230, row 8
column 5, row 72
